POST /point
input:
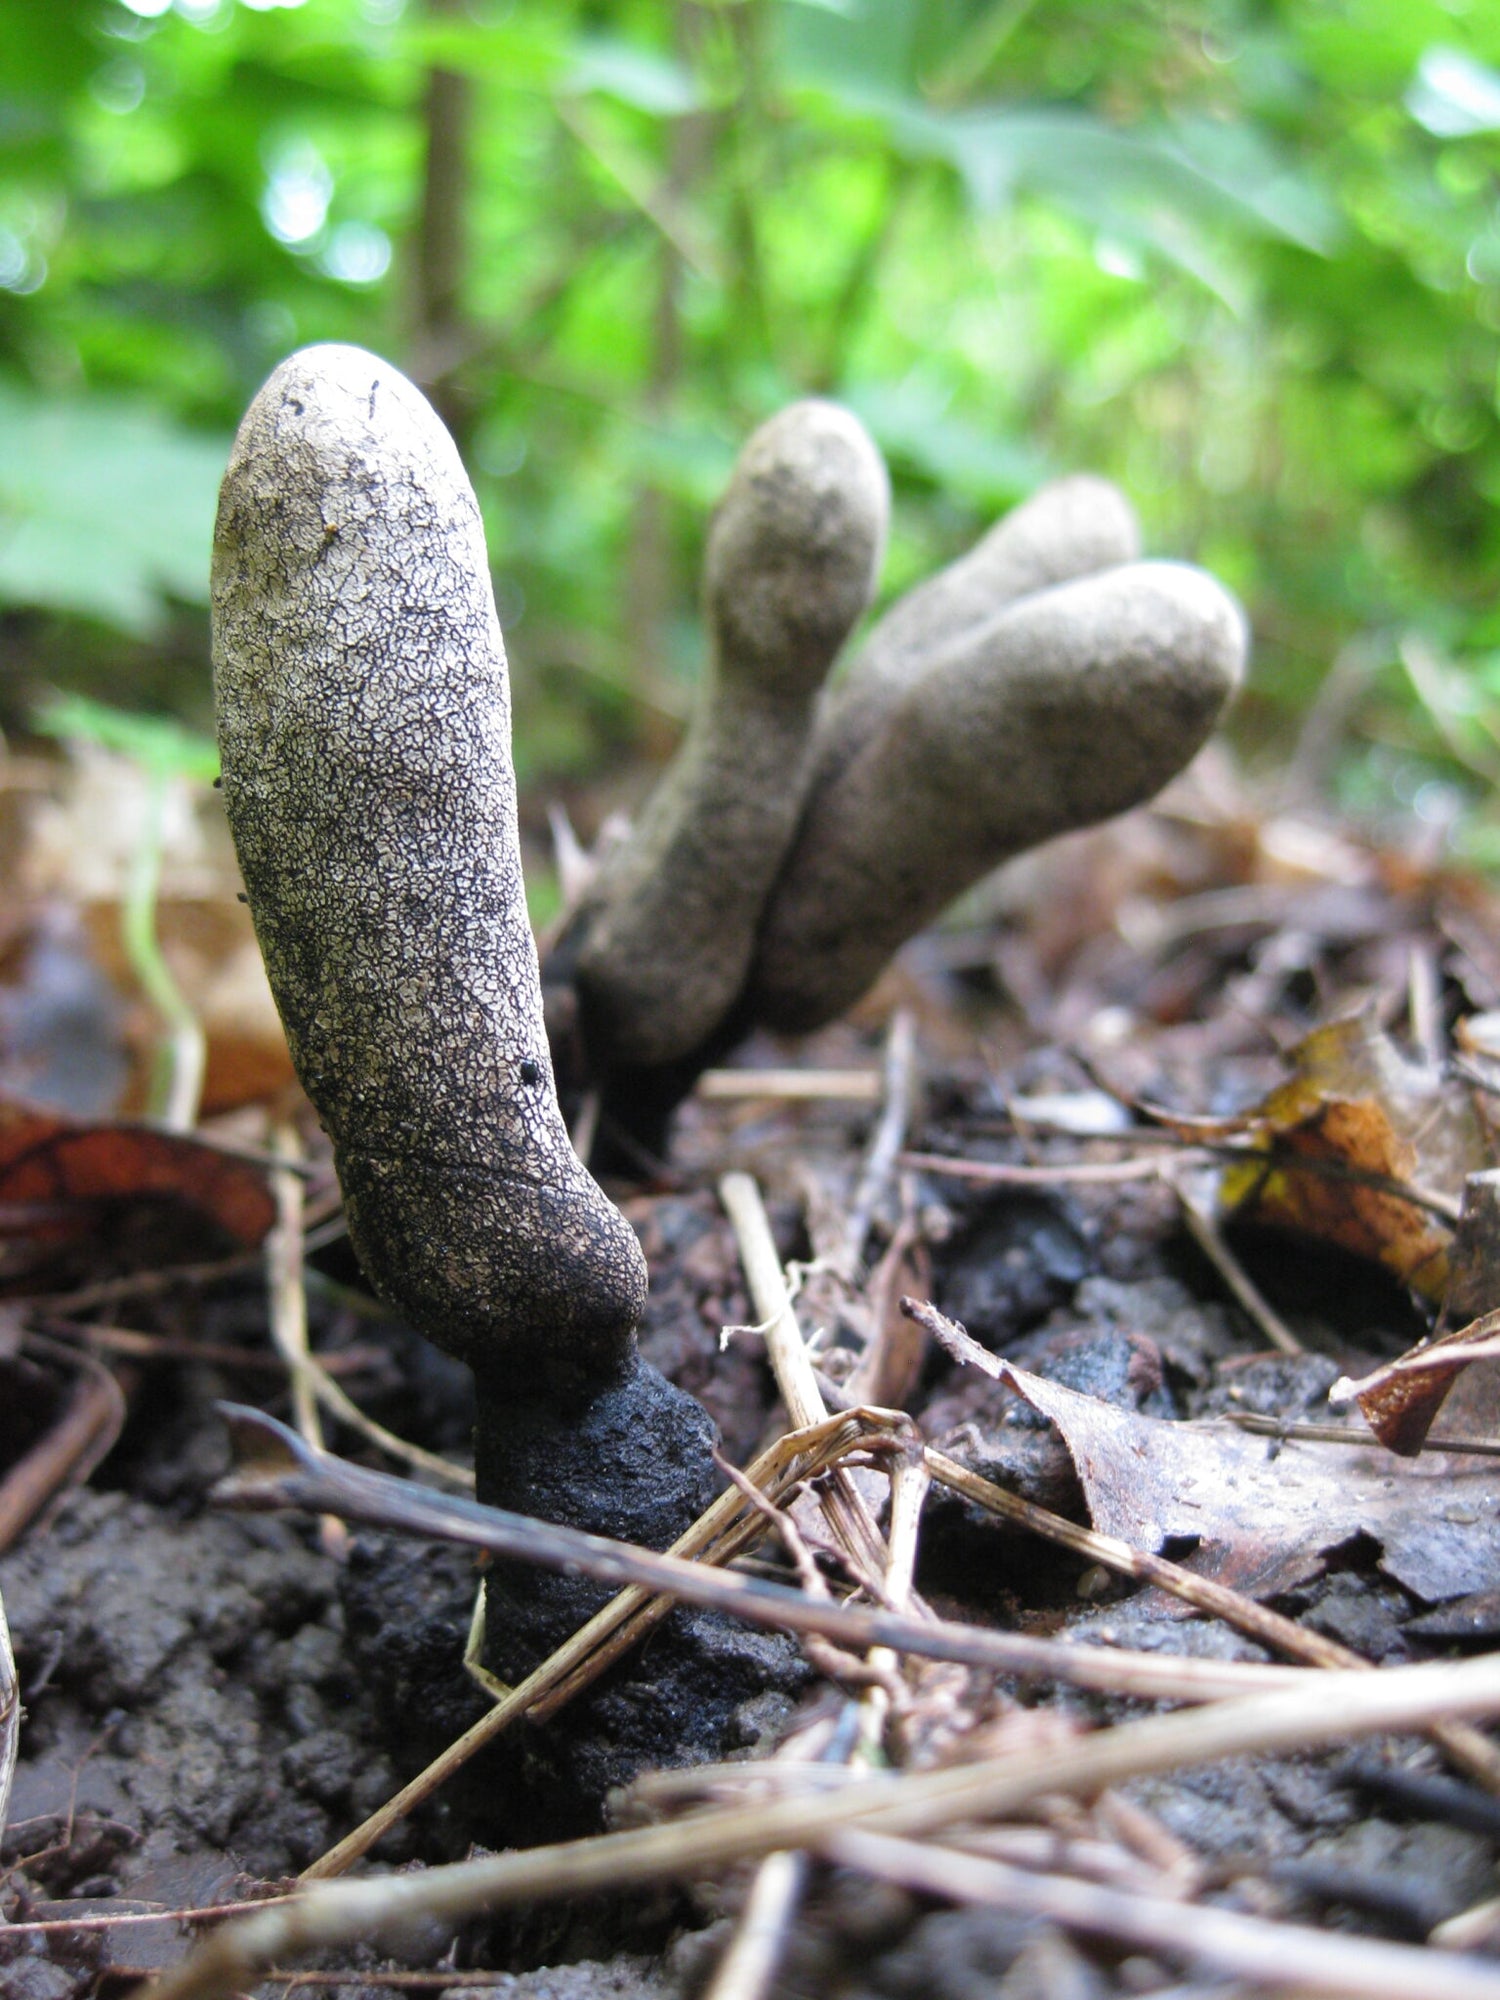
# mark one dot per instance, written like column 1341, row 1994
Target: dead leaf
column 1369, row 1123
column 1264, row 1513
column 1400, row 1400
column 65, row 1167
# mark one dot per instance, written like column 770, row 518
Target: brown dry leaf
column 1265, row 1518
column 60, row 1168
column 1364, row 1113
column 1265, row 1513
column 1401, row 1399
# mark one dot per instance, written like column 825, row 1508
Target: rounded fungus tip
column 1069, row 705
column 662, row 944
column 364, row 727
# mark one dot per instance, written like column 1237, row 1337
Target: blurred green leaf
column 158, row 743
column 636, row 76
column 1454, row 96
column 1244, row 259
column 106, row 508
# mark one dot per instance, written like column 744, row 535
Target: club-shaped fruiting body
column 1071, row 527
column 364, row 727
column 1044, row 681
column 663, row 942
column 1067, row 706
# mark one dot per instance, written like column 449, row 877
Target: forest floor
column 1178, row 1124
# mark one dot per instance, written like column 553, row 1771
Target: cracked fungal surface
column 364, row 724
column 663, row 943
column 1068, row 705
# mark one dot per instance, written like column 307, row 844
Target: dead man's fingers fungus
column 1072, row 527
column 1066, row 707
column 364, row 726
column 663, row 942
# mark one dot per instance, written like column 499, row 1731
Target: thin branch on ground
column 1294, row 1433
column 1319, row 1710
column 81, row 1436
column 716, row 1537
column 1280, row 1958
column 1206, row 1233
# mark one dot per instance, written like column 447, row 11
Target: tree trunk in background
column 439, row 336
column 650, row 566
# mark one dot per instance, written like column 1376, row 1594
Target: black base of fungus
column 632, row 1461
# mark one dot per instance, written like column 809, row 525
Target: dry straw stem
column 1320, row 1710
column 720, row 1534
column 1286, row 1958
column 760, row 1934
column 793, row 556
column 364, row 726
column 764, row 1922
column 287, row 1302
column 848, row 1515
column 791, row 1086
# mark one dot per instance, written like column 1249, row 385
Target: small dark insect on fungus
column 364, row 726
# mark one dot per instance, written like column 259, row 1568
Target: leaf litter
column 1207, row 983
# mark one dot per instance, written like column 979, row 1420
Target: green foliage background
column 1244, row 255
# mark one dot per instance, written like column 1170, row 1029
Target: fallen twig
column 1028, row 1173
column 1286, row 1958
column 1293, row 1433
column 287, row 1301
column 84, row 1433
column 791, row 1086
column 279, row 1471
column 1320, row 1709
column 1194, row 1151
column 715, row 1537
column 1206, row 1233
column 899, row 1087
